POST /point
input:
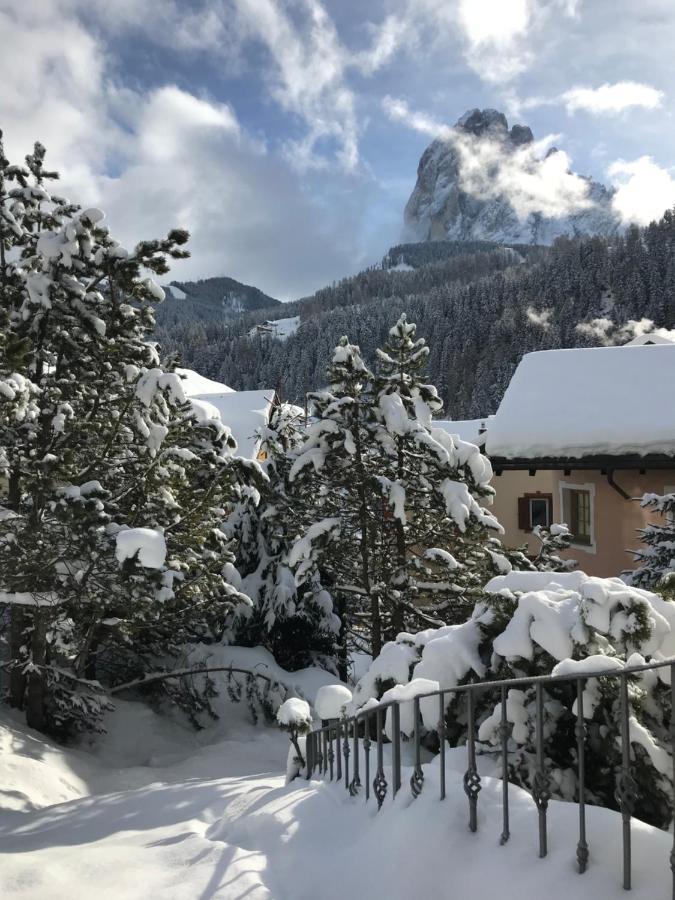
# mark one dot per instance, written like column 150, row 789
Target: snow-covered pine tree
column 656, row 560
column 111, row 555
column 552, row 540
column 440, row 546
column 337, row 496
column 296, row 623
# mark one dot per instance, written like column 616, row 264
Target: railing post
column 504, row 735
column 331, row 752
column 324, row 753
column 338, row 751
column 366, row 752
column 582, row 846
column 471, row 776
column 396, row 748
column 417, row 777
column 345, row 749
column 627, row 788
column 356, row 781
column 309, row 754
column 441, row 739
column 540, row 787
column 380, row 782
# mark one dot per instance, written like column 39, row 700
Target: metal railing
column 330, row 748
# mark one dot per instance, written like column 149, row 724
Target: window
column 533, row 510
column 577, row 507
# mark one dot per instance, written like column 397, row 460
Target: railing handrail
column 514, row 682
column 330, row 744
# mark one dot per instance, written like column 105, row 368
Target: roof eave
column 602, row 462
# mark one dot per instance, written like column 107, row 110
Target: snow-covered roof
column 196, row 385
column 585, row 402
column 470, row 430
column 244, row 412
column 654, row 337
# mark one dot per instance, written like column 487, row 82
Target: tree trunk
column 35, row 697
column 342, row 654
column 17, row 679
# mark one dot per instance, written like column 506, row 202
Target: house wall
column 615, row 520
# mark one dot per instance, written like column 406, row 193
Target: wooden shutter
column 524, row 523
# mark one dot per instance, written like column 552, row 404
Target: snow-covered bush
column 540, row 623
column 295, row 717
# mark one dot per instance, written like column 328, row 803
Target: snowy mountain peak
column 484, row 181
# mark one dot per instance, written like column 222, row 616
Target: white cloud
column 644, row 190
column 541, row 318
column 610, row 99
column 165, row 158
column 609, row 333
column 532, row 179
column 399, row 111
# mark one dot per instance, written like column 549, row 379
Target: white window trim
column 570, row 485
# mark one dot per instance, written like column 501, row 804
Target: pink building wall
column 615, row 521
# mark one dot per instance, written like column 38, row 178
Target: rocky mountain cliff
column 458, row 194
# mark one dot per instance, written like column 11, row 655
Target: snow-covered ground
column 154, row 810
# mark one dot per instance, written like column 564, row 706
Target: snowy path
column 220, row 823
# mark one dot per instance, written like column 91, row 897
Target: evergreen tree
column 656, row 569
column 100, row 451
column 337, row 495
column 551, row 541
column 295, row 622
column 441, row 547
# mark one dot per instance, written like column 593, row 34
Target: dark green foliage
column 471, row 307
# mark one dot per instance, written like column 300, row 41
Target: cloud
column 399, row 111
column 495, row 33
column 532, row 179
column 609, row 333
column 644, row 190
column 167, row 157
column 541, row 318
column 610, row 99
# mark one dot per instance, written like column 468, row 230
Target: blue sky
column 286, row 133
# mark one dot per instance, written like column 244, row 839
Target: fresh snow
column 331, row 701
column 245, row 413
column 176, row 292
column 576, row 403
column 196, row 385
column 470, row 430
column 294, row 713
column 148, row 543
column 154, row 810
column 22, row 598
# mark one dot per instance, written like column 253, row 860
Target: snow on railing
column 328, row 751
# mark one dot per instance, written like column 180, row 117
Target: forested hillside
column 480, row 307
column 211, row 299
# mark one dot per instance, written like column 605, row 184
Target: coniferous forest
column 480, row 307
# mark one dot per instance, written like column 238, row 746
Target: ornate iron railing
column 328, row 751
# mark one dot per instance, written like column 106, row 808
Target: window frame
column 589, row 488
column 526, row 519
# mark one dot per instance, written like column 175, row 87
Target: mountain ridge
column 457, row 194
